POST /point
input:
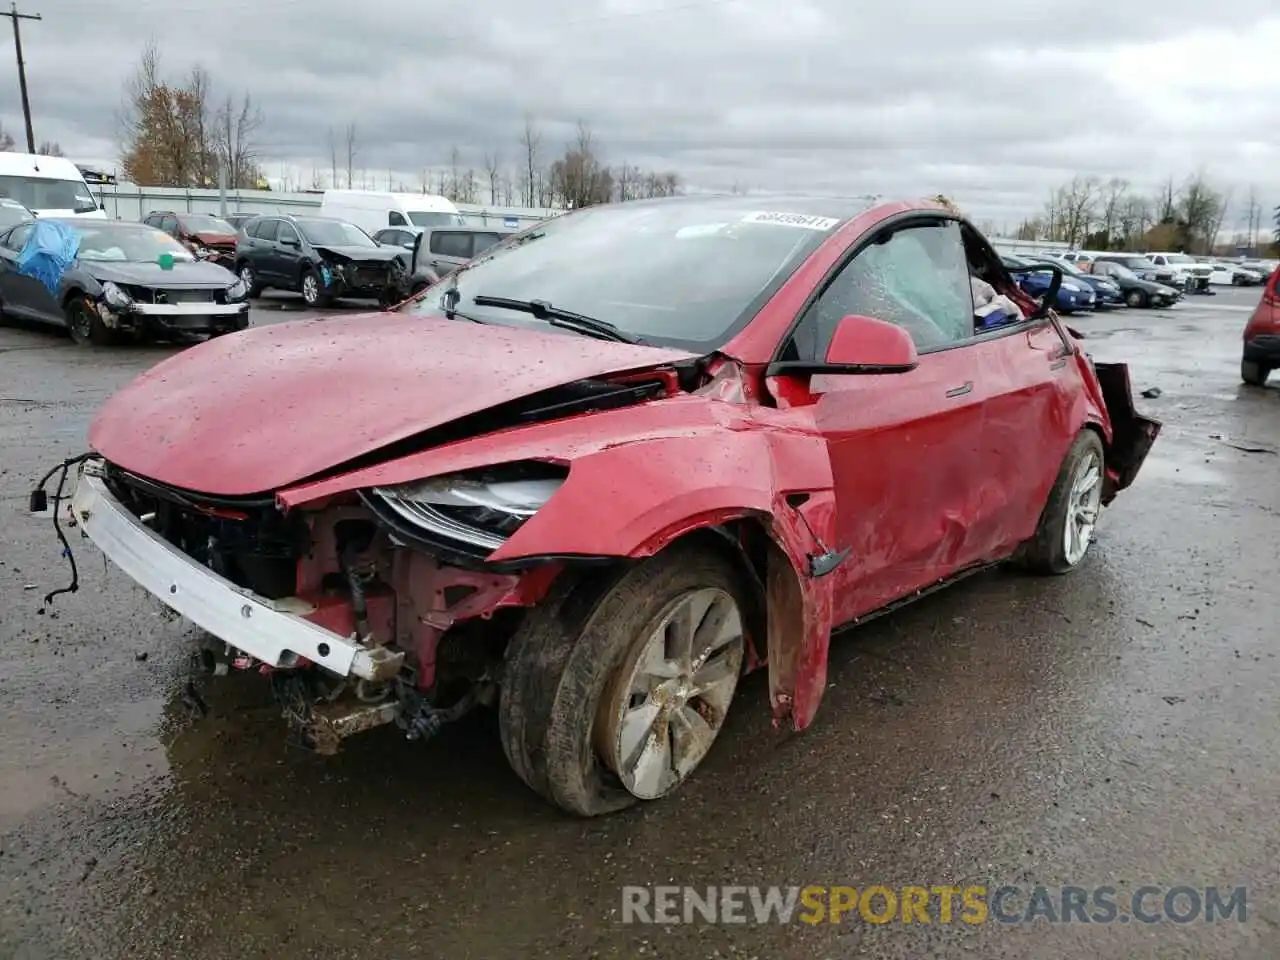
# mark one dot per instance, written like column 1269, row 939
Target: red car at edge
column 603, row 470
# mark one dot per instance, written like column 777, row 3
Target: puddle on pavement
column 1190, row 469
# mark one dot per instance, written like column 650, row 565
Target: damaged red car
column 605, row 469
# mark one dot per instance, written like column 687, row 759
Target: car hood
column 359, row 253
column 199, row 273
column 266, row 408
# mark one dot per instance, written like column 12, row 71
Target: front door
column 912, row 454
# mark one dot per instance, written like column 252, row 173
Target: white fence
column 127, row 201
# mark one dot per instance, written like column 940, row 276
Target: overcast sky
column 990, row 103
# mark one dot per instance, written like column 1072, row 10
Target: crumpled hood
column 199, row 273
column 210, row 238
column 358, row 253
column 256, row 411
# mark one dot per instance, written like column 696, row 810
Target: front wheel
column 1070, row 516
column 312, row 292
column 250, row 280
column 85, row 325
column 1135, row 298
column 1253, row 373
column 615, row 692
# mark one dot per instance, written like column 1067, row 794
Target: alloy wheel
column 1083, row 504
column 665, row 706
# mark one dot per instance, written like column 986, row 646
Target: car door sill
column 915, row 595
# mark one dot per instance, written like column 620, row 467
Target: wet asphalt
column 1116, row 726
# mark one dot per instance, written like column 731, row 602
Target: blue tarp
column 49, row 253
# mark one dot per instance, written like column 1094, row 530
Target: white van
column 47, row 186
column 371, row 210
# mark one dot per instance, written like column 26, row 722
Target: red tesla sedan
column 604, row 469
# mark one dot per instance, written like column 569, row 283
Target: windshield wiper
column 449, row 301
column 600, row 329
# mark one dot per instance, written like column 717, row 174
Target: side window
column 448, row 243
column 286, row 232
column 396, row 219
column 484, row 241
column 152, row 220
column 267, row 229
column 917, row 279
column 169, row 224
column 18, row 237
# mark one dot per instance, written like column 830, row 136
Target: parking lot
column 1114, row 726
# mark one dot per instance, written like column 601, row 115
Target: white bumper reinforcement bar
column 264, row 629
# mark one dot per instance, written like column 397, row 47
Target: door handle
column 1058, row 364
column 961, row 390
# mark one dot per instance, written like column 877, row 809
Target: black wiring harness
column 40, row 503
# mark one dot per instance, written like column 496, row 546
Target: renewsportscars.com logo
column 973, row 904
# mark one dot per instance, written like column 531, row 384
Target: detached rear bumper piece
column 1132, row 434
column 272, row 631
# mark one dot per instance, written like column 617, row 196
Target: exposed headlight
column 237, row 291
column 479, row 508
column 115, row 296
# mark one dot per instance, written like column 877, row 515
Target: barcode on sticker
column 791, row 220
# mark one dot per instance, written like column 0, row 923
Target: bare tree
column 1114, row 194
column 238, row 127
column 333, row 158
column 493, row 174
column 1200, row 210
column 1167, row 203
column 47, row 148
column 7, row 142
column 352, row 153
column 530, row 145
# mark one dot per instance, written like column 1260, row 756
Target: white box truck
column 372, row 210
column 47, row 186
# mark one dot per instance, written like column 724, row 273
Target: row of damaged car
column 178, row 276
column 589, row 493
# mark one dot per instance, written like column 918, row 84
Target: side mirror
column 871, row 346
column 859, row 345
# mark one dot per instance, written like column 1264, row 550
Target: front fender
column 635, row 499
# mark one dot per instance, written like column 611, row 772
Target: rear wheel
column 1070, row 516
column 615, row 691
column 85, row 325
column 1253, row 373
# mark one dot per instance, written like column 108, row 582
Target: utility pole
column 15, row 16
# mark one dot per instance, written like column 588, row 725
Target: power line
column 16, row 17
column 168, row 9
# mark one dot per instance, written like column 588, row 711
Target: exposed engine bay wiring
column 40, row 503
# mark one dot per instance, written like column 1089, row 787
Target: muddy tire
column 85, row 325
column 1253, row 373
column 568, row 710
column 1062, row 539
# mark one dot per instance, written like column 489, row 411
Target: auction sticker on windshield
column 791, row 220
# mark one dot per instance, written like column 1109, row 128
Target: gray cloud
column 993, row 104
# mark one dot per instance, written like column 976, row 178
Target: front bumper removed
column 176, row 317
column 274, row 632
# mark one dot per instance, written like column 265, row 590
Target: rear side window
column 18, row 237
column 396, row 219
column 450, row 244
column 483, row 241
column 169, row 224
column 267, row 229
